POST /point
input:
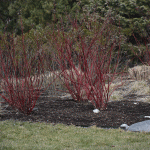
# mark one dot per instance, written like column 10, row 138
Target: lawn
column 41, row 136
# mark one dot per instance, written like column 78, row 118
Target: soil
column 70, row 112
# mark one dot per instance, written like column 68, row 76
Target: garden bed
column 68, row 111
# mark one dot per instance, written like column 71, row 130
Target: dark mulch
column 54, row 110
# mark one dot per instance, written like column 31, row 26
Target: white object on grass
column 96, row 111
column 124, row 126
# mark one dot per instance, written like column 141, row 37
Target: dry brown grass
column 140, row 72
column 138, row 86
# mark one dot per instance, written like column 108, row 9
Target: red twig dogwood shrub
column 20, row 73
column 146, row 52
column 88, row 62
column 141, row 72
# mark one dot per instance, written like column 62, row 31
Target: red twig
column 20, row 84
column 86, row 79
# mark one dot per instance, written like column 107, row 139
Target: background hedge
column 132, row 16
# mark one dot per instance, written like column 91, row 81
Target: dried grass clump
column 140, row 72
column 139, row 88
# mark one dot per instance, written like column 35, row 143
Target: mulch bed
column 70, row 112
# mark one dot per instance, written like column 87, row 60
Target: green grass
column 42, row 136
